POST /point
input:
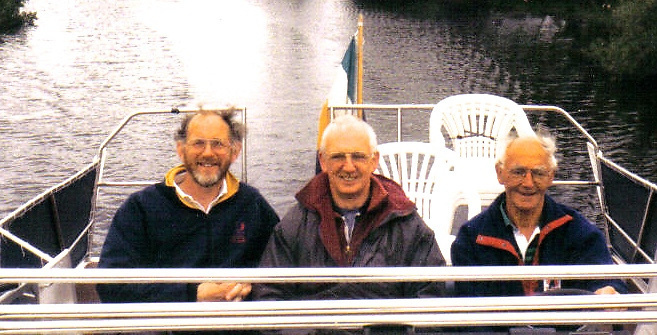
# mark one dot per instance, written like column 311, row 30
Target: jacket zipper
column 347, row 249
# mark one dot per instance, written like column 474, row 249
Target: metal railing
column 401, row 109
column 102, row 154
column 328, row 314
column 329, row 275
column 344, row 314
column 628, row 309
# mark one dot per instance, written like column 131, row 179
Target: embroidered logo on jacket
column 239, row 236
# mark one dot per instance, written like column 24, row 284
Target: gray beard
column 207, row 181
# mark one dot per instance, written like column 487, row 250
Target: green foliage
column 629, row 49
column 11, row 17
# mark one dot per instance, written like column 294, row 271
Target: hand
column 222, row 291
column 609, row 290
column 606, row 290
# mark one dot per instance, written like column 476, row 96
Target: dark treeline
column 626, row 40
column 11, row 16
column 617, row 36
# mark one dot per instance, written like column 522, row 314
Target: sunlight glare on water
column 68, row 81
column 220, row 45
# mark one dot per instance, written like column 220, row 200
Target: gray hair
column 348, row 122
column 543, row 136
column 237, row 131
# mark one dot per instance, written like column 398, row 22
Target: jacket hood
column 387, row 200
column 384, row 194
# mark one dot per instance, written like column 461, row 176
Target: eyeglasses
column 199, row 144
column 356, row 157
column 538, row 174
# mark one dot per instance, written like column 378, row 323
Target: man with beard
column 200, row 216
column 347, row 216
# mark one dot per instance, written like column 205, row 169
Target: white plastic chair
column 476, row 126
column 417, row 167
column 426, row 174
column 452, row 193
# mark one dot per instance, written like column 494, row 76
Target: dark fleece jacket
column 388, row 233
column 566, row 238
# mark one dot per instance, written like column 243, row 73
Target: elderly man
column 524, row 226
column 346, row 216
column 200, row 216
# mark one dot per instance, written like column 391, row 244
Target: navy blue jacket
column 154, row 229
column 566, row 238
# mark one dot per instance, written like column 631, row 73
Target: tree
column 630, row 48
column 11, row 17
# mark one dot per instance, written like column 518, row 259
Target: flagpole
column 359, row 65
column 348, row 69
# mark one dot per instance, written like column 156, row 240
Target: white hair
column 542, row 136
column 348, row 122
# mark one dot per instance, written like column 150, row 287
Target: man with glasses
column 524, row 226
column 347, row 216
column 200, row 216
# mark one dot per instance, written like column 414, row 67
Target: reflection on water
column 220, row 45
column 69, row 80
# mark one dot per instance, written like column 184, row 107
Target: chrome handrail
column 327, row 314
column 628, row 309
column 332, row 307
column 399, row 109
column 329, row 275
column 101, row 150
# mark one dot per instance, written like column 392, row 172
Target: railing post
column 648, row 328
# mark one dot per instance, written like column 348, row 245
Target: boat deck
column 48, row 276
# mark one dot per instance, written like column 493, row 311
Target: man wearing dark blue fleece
column 200, row 216
column 524, row 226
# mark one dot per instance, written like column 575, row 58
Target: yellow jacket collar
column 232, row 183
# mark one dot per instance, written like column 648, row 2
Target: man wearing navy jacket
column 200, row 216
column 524, row 226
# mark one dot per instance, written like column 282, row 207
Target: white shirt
column 522, row 241
column 189, row 199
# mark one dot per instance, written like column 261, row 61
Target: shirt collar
column 507, row 221
column 521, row 240
column 191, row 202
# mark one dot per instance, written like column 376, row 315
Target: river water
column 67, row 82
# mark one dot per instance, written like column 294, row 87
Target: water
column 67, row 82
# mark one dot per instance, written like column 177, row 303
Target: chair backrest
column 446, row 215
column 426, row 174
column 454, row 193
column 476, row 124
column 417, row 167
